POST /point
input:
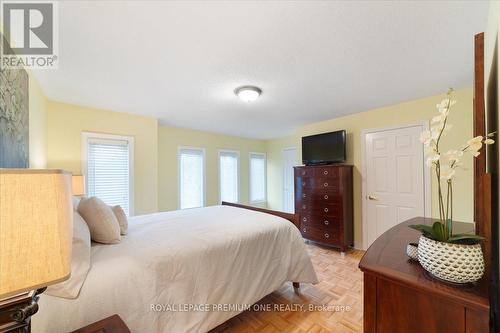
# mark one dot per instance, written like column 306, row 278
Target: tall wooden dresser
column 323, row 204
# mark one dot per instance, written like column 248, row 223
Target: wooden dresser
column 400, row 296
column 323, row 204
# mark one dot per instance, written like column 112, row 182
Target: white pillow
column 122, row 218
column 80, row 261
column 102, row 222
column 76, row 202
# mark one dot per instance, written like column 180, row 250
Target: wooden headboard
column 287, row 216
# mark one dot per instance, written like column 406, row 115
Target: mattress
column 183, row 271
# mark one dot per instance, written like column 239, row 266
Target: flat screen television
column 325, row 148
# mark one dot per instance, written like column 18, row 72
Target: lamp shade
column 36, row 228
column 78, row 184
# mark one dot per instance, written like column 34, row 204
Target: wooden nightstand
column 113, row 324
column 400, row 296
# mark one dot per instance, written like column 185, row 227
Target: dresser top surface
column 324, row 165
column 387, row 257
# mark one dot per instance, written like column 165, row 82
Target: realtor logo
column 29, row 34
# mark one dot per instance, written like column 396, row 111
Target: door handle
column 371, row 197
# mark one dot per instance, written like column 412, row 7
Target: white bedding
column 213, row 255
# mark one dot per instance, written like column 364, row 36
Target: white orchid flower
column 446, row 165
column 429, row 149
column 425, row 137
column 432, row 158
column 447, row 172
column 489, row 141
column 474, row 145
column 443, row 104
column 439, row 119
column 453, row 155
column 444, row 112
column 478, row 138
column 435, row 132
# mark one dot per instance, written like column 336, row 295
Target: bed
column 173, row 268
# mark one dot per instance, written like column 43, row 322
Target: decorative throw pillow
column 122, row 218
column 80, row 261
column 103, row 225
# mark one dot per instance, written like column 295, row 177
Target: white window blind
column 228, row 176
column 257, row 177
column 108, row 171
column 191, row 177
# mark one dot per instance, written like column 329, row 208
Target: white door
column 395, row 188
column 289, row 161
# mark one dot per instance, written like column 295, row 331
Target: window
column 228, row 175
column 257, row 177
column 191, row 177
column 107, row 165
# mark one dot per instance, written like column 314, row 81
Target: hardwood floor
column 341, row 285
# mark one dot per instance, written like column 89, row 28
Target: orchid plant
column 445, row 166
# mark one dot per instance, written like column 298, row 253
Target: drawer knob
column 303, row 183
column 325, row 184
column 326, row 196
column 326, row 210
column 325, row 172
column 304, row 219
column 327, row 223
column 304, row 230
column 327, row 236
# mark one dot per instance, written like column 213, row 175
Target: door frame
column 284, row 175
column 427, row 174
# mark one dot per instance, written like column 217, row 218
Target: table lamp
column 36, row 228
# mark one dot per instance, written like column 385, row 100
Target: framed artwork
column 14, row 118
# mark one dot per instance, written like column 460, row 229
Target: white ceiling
column 181, row 61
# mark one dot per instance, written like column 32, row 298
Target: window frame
column 238, row 180
column 256, row 202
column 85, row 136
column 204, row 183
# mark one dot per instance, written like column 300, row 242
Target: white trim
column 237, row 171
column 179, row 148
column 283, row 172
column 427, row 175
column 85, row 136
column 257, row 202
column 359, row 246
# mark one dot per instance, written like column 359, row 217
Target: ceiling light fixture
column 248, row 93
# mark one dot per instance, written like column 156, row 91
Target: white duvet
column 206, row 257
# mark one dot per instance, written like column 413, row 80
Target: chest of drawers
column 323, row 204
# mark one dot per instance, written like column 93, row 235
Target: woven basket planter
column 456, row 263
column 412, row 251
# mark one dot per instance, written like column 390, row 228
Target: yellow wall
column 65, row 123
column 170, row 138
column 155, row 156
column 408, row 112
column 492, row 39
column 37, row 125
column 275, row 169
